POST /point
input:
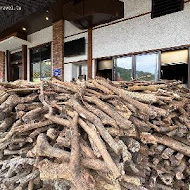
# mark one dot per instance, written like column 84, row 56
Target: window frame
column 115, row 62
column 158, row 63
column 134, row 64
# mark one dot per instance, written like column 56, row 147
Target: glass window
column 147, row 67
column 123, row 69
column 35, row 55
column 41, row 63
column 45, row 52
column 36, row 72
column 16, row 56
column 46, row 70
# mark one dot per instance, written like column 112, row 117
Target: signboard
column 57, row 72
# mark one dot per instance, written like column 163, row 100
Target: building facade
column 135, row 46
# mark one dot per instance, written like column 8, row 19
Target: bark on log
column 165, row 140
column 90, row 134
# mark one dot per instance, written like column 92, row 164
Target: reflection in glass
column 123, row 69
column 46, row 52
column 35, row 55
column 147, row 67
column 20, row 72
column 46, row 70
column 40, row 58
column 36, row 72
column 41, row 70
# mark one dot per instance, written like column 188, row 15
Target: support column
column 58, row 49
column 188, row 68
column 24, row 62
column 133, row 67
column 90, row 52
column 159, row 65
column 8, row 66
column 2, row 66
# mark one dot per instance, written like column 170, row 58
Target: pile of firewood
column 94, row 134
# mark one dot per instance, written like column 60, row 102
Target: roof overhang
column 12, row 43
column 90, row 13
column 82, row 13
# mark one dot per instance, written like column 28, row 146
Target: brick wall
column 2, row 66
column 58, row 45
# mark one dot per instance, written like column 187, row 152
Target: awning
column 12, row 43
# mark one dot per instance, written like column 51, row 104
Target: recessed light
column 24, row 28
column 47, row 18
column 9, row 42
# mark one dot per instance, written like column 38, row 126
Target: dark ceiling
column 33, row 14
column 9, row 18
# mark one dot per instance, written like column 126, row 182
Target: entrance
column 16, row 70
column 105, row 69
column 40, row 59
column 79, row 71
column 16, row 66
column 175, row 71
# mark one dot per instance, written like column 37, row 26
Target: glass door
column 40, row 59
column 16, row 72
column 16, row 66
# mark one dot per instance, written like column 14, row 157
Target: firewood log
column 94, row 134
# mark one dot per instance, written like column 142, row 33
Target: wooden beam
column 8, row 63
column 24, row 62
column 90, row 52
